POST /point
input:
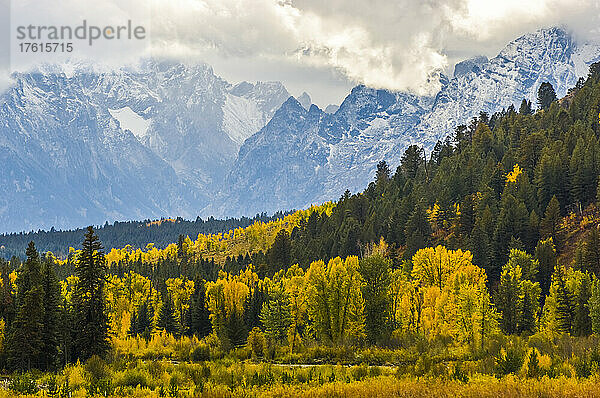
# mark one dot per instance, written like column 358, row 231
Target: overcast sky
column 325, row 47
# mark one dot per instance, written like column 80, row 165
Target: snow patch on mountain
column 129, row 120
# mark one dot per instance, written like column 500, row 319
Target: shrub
column 200, row 353
column 23, row 383
column 256, row 342
column 533, row 364
column 96, row 368
column 359, row 372
column 132, row 378
column 509, row 361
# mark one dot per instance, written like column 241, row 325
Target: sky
column 327, row 47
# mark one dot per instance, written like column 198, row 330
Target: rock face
column 84, row 147
column 79, row 147
column 308, row 157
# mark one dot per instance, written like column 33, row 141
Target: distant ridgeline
column 134, row 233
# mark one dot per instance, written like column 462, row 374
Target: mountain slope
column 66, row 160
column 340, row 151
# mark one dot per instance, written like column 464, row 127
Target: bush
column 132, row 378
column 256, row 342
column 359, row 372
column 96, row 368
column 23, row 384
column 200, row 353
column 509, row 361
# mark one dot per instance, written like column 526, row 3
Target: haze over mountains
column 166, row 139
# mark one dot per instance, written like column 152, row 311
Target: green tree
column 594, row 306
column 375, row 272
column 167, row 319
column 525, row 108
column 582, row 324
column 546, row 95
column 550, row 223
column 200, row 316
column 279, row 254
column 418, row 232
column 565, row 302
column 89, row 301
column 276, row 315
column 509, row 299
column 411, row 160
column 591, row 252
column 545, row 254
column 530, row 292
column 52, row 302
column 143, row 320
column 26, row 344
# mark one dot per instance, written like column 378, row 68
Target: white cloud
column 325, row 47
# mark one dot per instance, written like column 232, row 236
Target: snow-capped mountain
column 83, row 147
column 163, row 139
column 547, row 55
column 303, row 157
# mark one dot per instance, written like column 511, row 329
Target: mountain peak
column 305, row 100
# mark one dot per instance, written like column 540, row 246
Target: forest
column 121, row 233
column 473, row 272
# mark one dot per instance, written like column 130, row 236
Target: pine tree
column 279, row 254
column 545, row 254
column 546, row 95
column 582, row 323
column 564, row 301
column 418, row 232
column 66, row 332
column 551, row 221
column 525, row 108
column 509, row 300
column 167, row 319
column 591, row 252
column 530, row 292
column 411, row 160
column 143, row 318
column 52, row 302
column 89, row 302
column 26, row 345
column 200, row 316
column 375, row 290
column 276, row 315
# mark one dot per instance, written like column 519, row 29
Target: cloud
column 399, row 45
column 330, row 45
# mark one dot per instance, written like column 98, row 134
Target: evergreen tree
column 26, row 344
column 546, row 95
column 200, row 322
column 509, row 300
column 565, row 302
column 525, row 108
column 551, row 221
column 530, row 292
column 279, row 254
column 89, row 302
column 66, row 332
column 591, row 252
column 418, row 232
column 411, row 160
column 545, row 254
column 382, row 175
column 582, row 323
column 375, row 291
column 167, row 319
column 143, row 324
column 52, row 302
column 276, row 315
